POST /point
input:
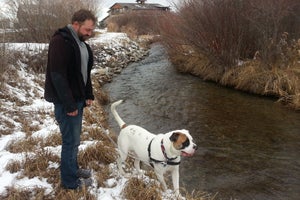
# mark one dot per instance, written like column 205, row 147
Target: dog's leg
column 137, row 165
column 121, row 160
column 175, row 180
column 160, row 177
column 120, row 163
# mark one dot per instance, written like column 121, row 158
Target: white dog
column 161, row 151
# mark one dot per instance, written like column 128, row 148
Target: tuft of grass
column 62, row 194
column 25, row 194
column 102, row 173
column 37, row 166
column 252, row 78
column 52, row 140
column 136, row 188
column 14, row 166
column 26, row 145
column 197, row 195
column 99, row 152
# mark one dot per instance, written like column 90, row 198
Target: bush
column 38, row 19
column 226, row 31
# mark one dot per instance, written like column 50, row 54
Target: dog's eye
column 186, row 144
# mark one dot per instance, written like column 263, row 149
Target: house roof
column 137, row 6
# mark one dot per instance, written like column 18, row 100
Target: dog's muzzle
column 189, row 154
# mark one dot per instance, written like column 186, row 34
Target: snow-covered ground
column 24, row 95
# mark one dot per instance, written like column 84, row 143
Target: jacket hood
column 65, row 32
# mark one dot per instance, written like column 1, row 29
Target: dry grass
column 140, row 189
column 62, row 194
column 252, row 76
column 14, row 166
column 40, row 194
column 188, row 61
column 25, row 145
column 102, row 173
column 101, row 152
column 198, row 195
column 37, row 165
column 52, row 140
column 25, row 194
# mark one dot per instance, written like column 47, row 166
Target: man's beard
column 83, row 37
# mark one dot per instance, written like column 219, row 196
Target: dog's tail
column 121, row 123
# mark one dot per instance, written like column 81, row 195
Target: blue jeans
column 70, row 128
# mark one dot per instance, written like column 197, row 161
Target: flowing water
column 249, row 146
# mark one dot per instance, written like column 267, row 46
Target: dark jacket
column 64, row 82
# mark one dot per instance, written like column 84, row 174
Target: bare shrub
column 274, row 25
column 227, row 31
column 38, row 19
column 214, row 28
column 173, row 36
column 38, row 62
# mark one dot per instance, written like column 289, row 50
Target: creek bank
column 248, row 76
column 110, row 59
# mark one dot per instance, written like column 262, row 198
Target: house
column 140, row 6
column 121, row 8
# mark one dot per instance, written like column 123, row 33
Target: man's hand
column 74, row 113
column 88, row 102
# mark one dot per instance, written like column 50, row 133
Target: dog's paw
column 180, row 197
column 171, row 194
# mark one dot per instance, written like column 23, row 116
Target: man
column 68, row 85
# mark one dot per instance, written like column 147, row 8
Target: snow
column 48, row 125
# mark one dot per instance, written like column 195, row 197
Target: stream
column 249, row 146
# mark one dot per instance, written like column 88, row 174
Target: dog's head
column 183, row 142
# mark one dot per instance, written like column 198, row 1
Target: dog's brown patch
column 124, row 126
column 180, row 139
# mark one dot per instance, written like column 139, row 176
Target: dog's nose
column 195, row 147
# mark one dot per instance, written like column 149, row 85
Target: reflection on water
column 249, row 146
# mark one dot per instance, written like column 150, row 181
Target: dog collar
column 163, row 149
column 169, row 161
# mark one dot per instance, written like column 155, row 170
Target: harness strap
column 164, row 150
column 167, row 162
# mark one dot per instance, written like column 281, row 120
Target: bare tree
column 38, row 19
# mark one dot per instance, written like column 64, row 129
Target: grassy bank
column 252, row 46
column 248, row 76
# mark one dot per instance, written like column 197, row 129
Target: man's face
column 85, row 29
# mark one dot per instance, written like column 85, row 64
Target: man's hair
column 82, row 15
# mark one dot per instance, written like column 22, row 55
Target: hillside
column 30, row 139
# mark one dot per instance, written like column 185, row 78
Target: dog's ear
column 174, row 137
